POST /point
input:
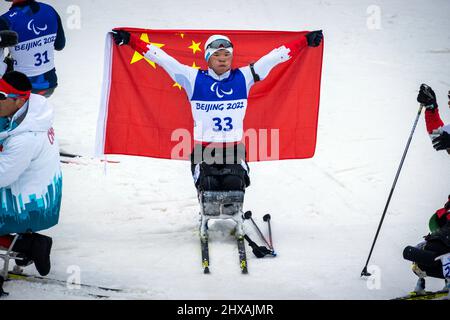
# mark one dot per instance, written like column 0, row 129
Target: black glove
column 9, row 64
column 8, row 38
column 121, row 37
column 442, row 142
column 314, row 38
column 427, row 97
column 259, row 252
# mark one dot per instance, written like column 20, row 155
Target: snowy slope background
column 134, row 226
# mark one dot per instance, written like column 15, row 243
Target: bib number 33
column 225, row 124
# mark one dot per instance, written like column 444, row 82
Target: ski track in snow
column 134, row 225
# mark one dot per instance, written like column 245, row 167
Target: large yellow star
column 138, row 57
column 195, row 46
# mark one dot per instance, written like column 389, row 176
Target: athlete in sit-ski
column 216, row 127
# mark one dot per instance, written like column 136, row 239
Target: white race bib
column 445, row 259
column 219, row 121
column 34, row 57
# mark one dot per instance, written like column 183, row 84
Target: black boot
column 23, row 260
column 34, row 247
column 40, row 253
column 23, row 248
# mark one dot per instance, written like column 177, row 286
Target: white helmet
column 215, row 43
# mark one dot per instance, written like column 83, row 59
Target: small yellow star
column 195, row 46
column 182, row 35
column 138, row 57
column 195, row 66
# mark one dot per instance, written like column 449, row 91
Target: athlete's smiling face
column 220, row 61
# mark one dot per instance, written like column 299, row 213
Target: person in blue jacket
column 40, row 32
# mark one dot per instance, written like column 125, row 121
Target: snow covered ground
column 135, row 225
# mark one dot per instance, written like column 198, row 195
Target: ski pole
column 248, row 216
column 364, row 273
column 267, row 218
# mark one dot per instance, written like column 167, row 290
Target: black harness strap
column 256, row 77
column 231, row 169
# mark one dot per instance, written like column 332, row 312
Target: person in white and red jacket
column 30, row 172
column 440, row 133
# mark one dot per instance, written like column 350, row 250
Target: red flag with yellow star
column 145, row 113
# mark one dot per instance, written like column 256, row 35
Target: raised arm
column 427, row 98
column 439, row 133
column 265, row 65
column 180, row 73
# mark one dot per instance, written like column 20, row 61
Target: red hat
column 15, row 84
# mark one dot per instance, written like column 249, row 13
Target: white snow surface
column 134, row 225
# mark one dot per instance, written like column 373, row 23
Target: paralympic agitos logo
column 219, row 92
column 37, row 30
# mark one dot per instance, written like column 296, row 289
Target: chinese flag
column 142, row 106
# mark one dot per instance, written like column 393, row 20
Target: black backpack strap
column 256, row 77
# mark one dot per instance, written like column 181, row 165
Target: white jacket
column 30, row 172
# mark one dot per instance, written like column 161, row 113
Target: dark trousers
column 231, row 182
column 220, row 168
column 439, row 248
